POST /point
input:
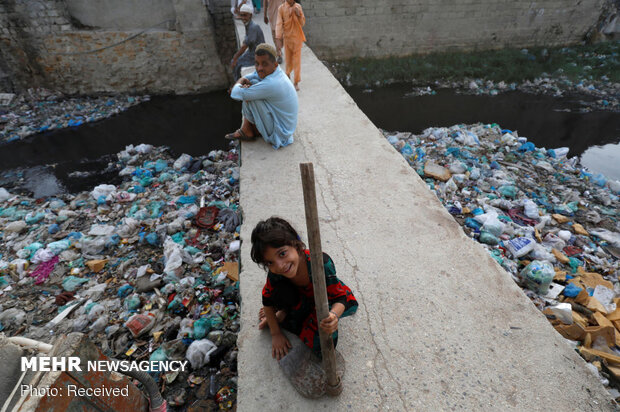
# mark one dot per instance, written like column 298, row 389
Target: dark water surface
column 546, row 121
column 194, row 124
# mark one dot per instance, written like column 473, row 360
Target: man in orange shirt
column 291, row 19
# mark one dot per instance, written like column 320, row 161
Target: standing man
column 291, row 19
column 253, row 37
column 270, row 103
column 234, row 7
column 271, row 17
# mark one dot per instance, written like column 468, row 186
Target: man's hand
column 297, row 10
column 266, row 18
column 279, row 346
column 243, row 82
column 329, row 324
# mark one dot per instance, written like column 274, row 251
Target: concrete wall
column 121, row 14
column 225, row 37
column 377, row 28
column 45, row 45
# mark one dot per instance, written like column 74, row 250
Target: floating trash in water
column 41, row 110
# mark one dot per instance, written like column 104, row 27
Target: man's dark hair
column 262, row 52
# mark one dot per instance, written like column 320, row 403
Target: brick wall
column 377, row 28
column 43, row 45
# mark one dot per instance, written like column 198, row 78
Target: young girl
column 288, row 295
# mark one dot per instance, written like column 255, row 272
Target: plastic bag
column 182, row 161
column 488, row 238
column 611, row 237
column 4, row 195
column 42, row 255
column 229, row 218
column 537, row 276
column 530, row 209
column 553, row 241
column 175, row 256
column 493, row 225
column 12, row 316
column 103, row 190
column 202, row 326
column 92, row 246
column 565, row 235
column 539, row 252
column 95, row 312
column 451, row 185
column 80, row 323
column 132, row 302
column 140, row 323
column 564, row 312
column 199, row 352
column 520, row 246
column 17, row 227
column 508, row 191
column 101, row 230
column 71, row 283
column 58, row 247
column 100, row 324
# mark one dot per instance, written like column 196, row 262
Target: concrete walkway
column 440, row 326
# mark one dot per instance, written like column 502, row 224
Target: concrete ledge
column 440, row 325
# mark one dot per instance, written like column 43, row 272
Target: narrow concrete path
column 440, row 326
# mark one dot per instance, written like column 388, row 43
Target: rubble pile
column 547, row 221
column 147, row 269
column 40, row 110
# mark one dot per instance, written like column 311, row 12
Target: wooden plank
column 603, row 321
column 589, row 353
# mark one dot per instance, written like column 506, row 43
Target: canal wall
column 341, row 29
column 136, row 46
column 184, row 46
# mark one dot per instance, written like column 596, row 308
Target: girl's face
column 282, row 261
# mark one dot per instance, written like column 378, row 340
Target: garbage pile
column 147, row 269
column 547, row 221
column 40, row 110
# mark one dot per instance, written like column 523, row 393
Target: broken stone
column 436, row 171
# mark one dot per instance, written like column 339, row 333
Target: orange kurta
column 289, row 29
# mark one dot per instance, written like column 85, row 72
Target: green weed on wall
column 587, row 62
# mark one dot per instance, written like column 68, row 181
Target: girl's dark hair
column 274, row 232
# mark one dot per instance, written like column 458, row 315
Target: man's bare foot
column 297, row 86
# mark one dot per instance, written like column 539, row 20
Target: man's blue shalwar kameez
column 271, row 105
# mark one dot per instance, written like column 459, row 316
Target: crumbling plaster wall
column 43, row 44
column 339, row 29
